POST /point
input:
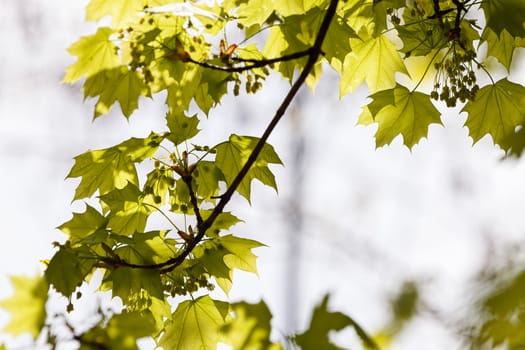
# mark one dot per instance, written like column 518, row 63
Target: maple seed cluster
column 188, row 285
column 456, row 79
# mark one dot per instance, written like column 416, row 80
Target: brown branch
column 313, row 54
column 255, row 63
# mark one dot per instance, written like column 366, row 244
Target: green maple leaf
column 250, row 329
column 255, row 11
column 124, row 329
column 26, row 306
column 128, row 283
column 224, row 221
column 497, row 110
column 399, row 111
column 181, row 127
column 95, row 53
column 322, row 323
column 375, row 60
column 83, row 224
column 207, row 176
column 222, row 255
column 120, row 11
column 233, row 154
column 195, row 325
column 505, row 14
column 118, row 84
column 65, row 272
column 110, row 168
column 129, row 209
column 500, row 46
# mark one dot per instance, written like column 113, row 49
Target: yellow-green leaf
column 375, row 61
column 26, row 306
column 95, row 53
column 250, row 329
column 120, row 85
column 497, row 110
column 195, row 325
column 120, row 11
column 401, row 112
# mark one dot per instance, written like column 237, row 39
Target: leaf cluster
column 183, row 50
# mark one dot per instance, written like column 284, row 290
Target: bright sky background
column 371, row 218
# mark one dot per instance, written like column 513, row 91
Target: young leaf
column 322, row 323
column 233, row 154
column 195, row 325
column 375, row 60
column 500, row 46
column 129, row 210
column 128, row 283
column 497, row 110
column 206, row 177
column 120, row 11
column 83, row 224
column 110, row 168
column 95, row 53
column 400, row 111
column 26, row 306
column 181, row 127
column 118, row 84
column 250, row 328
column 65, row 272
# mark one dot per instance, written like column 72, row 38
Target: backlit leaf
column 250, row 328
column 195, row 325
column 95, row 53
column 26, row 306
column 505, row 14
column 375, row 61
column 497, row 110
column 65, row 272
column 233, row 154
column 401, row 112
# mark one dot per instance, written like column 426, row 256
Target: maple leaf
column 375, row 60
column 181, row 127
column 129, row 209
column 128, row 283
column 497, row 110
column 500, row 46
column 221, row 255
column 207, row 177
column 233, row 154
column 400, row 111
column 505, row 14
column 322, row 323
column 118, row 84
column 26, row 306
column 195, row 324
column 65, row 272
column 250, row 328
column 83, row 224
column 95, row 53
column 110, row 168
column 120, row 11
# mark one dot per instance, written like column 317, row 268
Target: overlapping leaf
column 129, row 209
column 497, row 110
column 233, row 154
column 83, row 224
column 250, row 329
column 95, row 53
column 110, row 168
column 375, row 61
column 399, row 111
column 505, row 15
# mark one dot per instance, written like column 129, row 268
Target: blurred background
column 414, row 245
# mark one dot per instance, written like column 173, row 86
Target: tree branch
column 313, row 54
column 255, row 63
